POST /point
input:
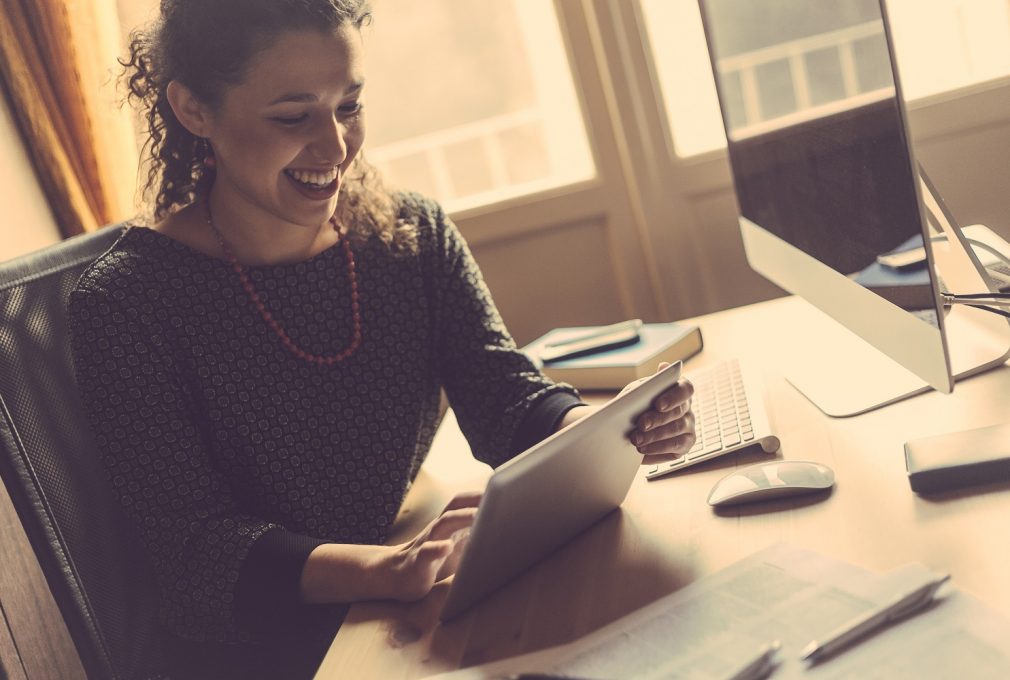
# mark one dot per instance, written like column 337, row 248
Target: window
column 472, row 101
column 468, row 101
column 810, row 64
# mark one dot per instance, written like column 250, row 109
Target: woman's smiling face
column 285, row 137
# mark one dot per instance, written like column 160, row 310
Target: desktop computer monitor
column 831, row 199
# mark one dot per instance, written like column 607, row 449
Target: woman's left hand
column 667, row 427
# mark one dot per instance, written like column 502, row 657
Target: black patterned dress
column 234, row 457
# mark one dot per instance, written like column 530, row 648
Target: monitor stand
column 859, row 378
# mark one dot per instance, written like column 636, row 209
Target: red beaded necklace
column 272, row 322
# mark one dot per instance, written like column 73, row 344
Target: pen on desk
column 538, row 676
column 598, row 340
column 760, row 665
column 904, row 605
column 632, row 325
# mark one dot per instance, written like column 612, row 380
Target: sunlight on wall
column 30, row 224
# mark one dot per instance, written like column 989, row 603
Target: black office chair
column 88, row 551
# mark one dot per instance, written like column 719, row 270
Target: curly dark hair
column 206, row 45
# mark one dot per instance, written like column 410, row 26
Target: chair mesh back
column 90, row 554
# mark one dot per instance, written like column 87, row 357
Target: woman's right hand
column 417, row 565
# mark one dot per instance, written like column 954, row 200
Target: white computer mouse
column 765, row 481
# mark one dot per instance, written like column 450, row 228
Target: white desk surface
column 665, row 535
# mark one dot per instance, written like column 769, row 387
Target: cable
column 988, row 248
column 995, row 252
column 980, row 244
column 977, row 296
column 995, row 299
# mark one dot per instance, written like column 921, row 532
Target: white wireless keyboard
column 730, row 415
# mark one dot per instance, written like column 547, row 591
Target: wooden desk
column 665, row 535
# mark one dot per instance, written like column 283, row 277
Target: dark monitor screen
column 816, row 136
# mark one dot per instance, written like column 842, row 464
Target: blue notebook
column 615, row 368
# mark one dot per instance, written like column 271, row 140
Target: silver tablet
column 541, row 499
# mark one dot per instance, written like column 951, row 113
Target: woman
column 262, row 365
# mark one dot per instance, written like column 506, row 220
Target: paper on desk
column 708, row 629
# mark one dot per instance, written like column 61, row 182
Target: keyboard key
column 667, row 466
column 704, row 452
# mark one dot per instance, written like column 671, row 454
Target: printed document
column 708, row 629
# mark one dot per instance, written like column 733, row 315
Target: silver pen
column 632, row 325
column 596, row 340
column 904, row 605
column 760, row 666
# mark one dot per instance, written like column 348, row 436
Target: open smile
column 315, row 185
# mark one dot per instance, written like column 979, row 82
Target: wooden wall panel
column 556, row 277
column 972, row 172
column 724, row 278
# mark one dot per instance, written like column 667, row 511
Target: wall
column 963, row 143
column 28, row 223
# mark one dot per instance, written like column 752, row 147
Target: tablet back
column 547, row 495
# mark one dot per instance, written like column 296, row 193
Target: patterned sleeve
column 502, row 401
column 159, row 467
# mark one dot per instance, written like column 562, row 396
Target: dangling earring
column 209, row 161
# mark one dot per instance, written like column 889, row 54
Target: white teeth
column 320, row 179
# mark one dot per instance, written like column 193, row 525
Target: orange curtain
column 49, row 76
